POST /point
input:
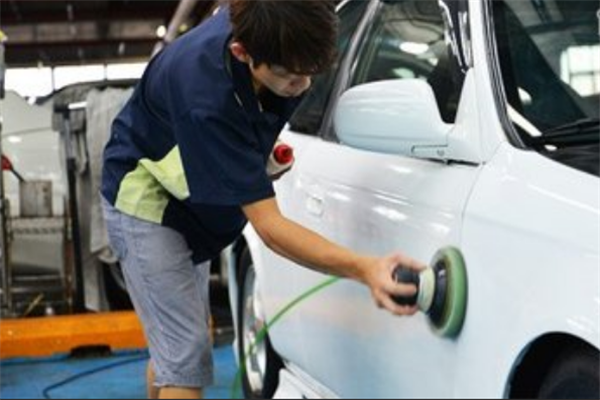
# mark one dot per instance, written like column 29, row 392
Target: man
column 185, row 169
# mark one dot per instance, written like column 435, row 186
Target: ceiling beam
column 85, row 53
column 77, row 43
column 72, row 32
column 24, row 12
column 36, row 33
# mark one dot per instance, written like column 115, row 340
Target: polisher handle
column 404, row 275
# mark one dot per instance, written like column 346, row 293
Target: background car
column 471, row 124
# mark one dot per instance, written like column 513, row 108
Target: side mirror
column 395, row 116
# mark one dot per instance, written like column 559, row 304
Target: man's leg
column 180, row 393
column 170, row 296
column 151, row 390
column 168, row 392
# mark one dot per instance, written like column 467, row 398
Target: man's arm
column 311, row 250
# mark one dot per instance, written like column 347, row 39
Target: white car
column 471, row 124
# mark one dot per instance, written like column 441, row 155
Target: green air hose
column 260, row 336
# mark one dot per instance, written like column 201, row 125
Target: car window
column 309, row 116
column 549, row 58
column 407, row 40
column 548, row 54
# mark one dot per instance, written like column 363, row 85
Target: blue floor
column 118, row 376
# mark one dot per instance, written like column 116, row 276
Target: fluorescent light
column 161, row 31
column 524, row 96
column 77, row 106
column 414, row 48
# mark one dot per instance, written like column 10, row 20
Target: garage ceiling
column 78, row 32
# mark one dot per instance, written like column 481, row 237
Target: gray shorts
column 170, row 296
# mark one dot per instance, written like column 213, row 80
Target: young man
column 185, row 169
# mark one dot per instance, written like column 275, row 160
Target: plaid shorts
column 170, row 295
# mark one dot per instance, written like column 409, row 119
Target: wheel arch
column 537, row 359
column 233, row 256
column 244, row 261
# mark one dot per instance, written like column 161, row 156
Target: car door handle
column 314, row 205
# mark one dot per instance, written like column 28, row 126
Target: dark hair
column 299, row 35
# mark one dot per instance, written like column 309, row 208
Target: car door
column 381, row 203
column 280, row 280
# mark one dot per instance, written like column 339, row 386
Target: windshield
column 549, row 58
column 550, row 61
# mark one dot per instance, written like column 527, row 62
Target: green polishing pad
column 454, row 306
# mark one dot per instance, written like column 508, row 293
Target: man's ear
column 239, row 51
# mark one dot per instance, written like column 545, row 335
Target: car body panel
column 529, row 221
column 511, row 303
column 375, row 204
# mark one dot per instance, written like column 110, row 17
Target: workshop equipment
column 7, row 165
column 65, row 112
column 6, row 301
column 35, row 199
column 441, row 291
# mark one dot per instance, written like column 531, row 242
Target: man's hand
column 383, row 286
